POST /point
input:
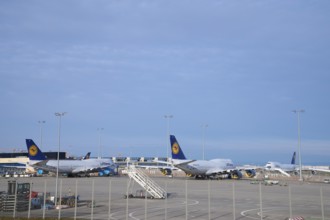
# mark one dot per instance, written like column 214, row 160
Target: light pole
column 40, row 123
column 298, row 111
column 59, row 115
column 100, row 148
column 168, row 117
column 204, row 126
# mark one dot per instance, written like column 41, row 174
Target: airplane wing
column 162, row 162
column 181, row 162
column 91, row 168
column 249, row 167
column 320, row 170
column 156, row 167
column 43, row 166
column 283, row 172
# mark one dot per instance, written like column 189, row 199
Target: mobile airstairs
column 145, row 182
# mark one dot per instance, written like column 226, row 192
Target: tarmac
column 186, row 199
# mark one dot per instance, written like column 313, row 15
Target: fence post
column 60, row 202
column 92, row 203
column 30, row 200
column 209, row 198
column 186, row 200
column 15, row 200
column 109, row 211
column 260, row 198
column 234, row 203
column 44, row 207
column 322, row 205
column 166, row 200
column 75, row 200
column 290, row 202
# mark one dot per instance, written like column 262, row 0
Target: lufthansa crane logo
column 175, row 148
column 33, row 150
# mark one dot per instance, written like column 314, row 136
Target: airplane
column 283, row 168
column 286, row 169
column 70, row 167
column 216, row 168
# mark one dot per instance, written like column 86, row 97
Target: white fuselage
column 72, row 166
column 204, row 167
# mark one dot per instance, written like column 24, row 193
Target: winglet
column 177, row 152
column 293, row 161
column 33, row 151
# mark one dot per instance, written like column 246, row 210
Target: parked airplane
column 216, row 168
column 286, row 169
column 283, row 168
column 70, row 167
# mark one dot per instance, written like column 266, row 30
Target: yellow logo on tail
column 175, row 148
column 33, row 150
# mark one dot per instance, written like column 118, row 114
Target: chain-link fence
column 116, row 198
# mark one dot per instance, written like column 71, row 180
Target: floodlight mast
column 59, row 115
column 298, row 111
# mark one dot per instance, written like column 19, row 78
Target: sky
column 229, row 72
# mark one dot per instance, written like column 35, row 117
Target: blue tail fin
column 88, row 155
column 293, row 161
column 177, row 152
column 33, row 151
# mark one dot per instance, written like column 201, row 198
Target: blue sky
column 240, row 67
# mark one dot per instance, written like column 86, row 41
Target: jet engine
column 166, row 171
column 190, row 175
column 250, row 173
column 235, row 175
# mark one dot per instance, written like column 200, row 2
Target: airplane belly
column 191, row 170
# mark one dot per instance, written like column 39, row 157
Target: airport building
column 16, row 162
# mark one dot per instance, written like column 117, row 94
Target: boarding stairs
column 149, row 185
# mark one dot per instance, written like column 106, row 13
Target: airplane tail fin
column 33, row 151
column 88, row 155
column 177, row 152
column 293, row 160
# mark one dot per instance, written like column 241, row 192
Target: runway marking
column 131, row 214
column 194, row 202
column 258, row 213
